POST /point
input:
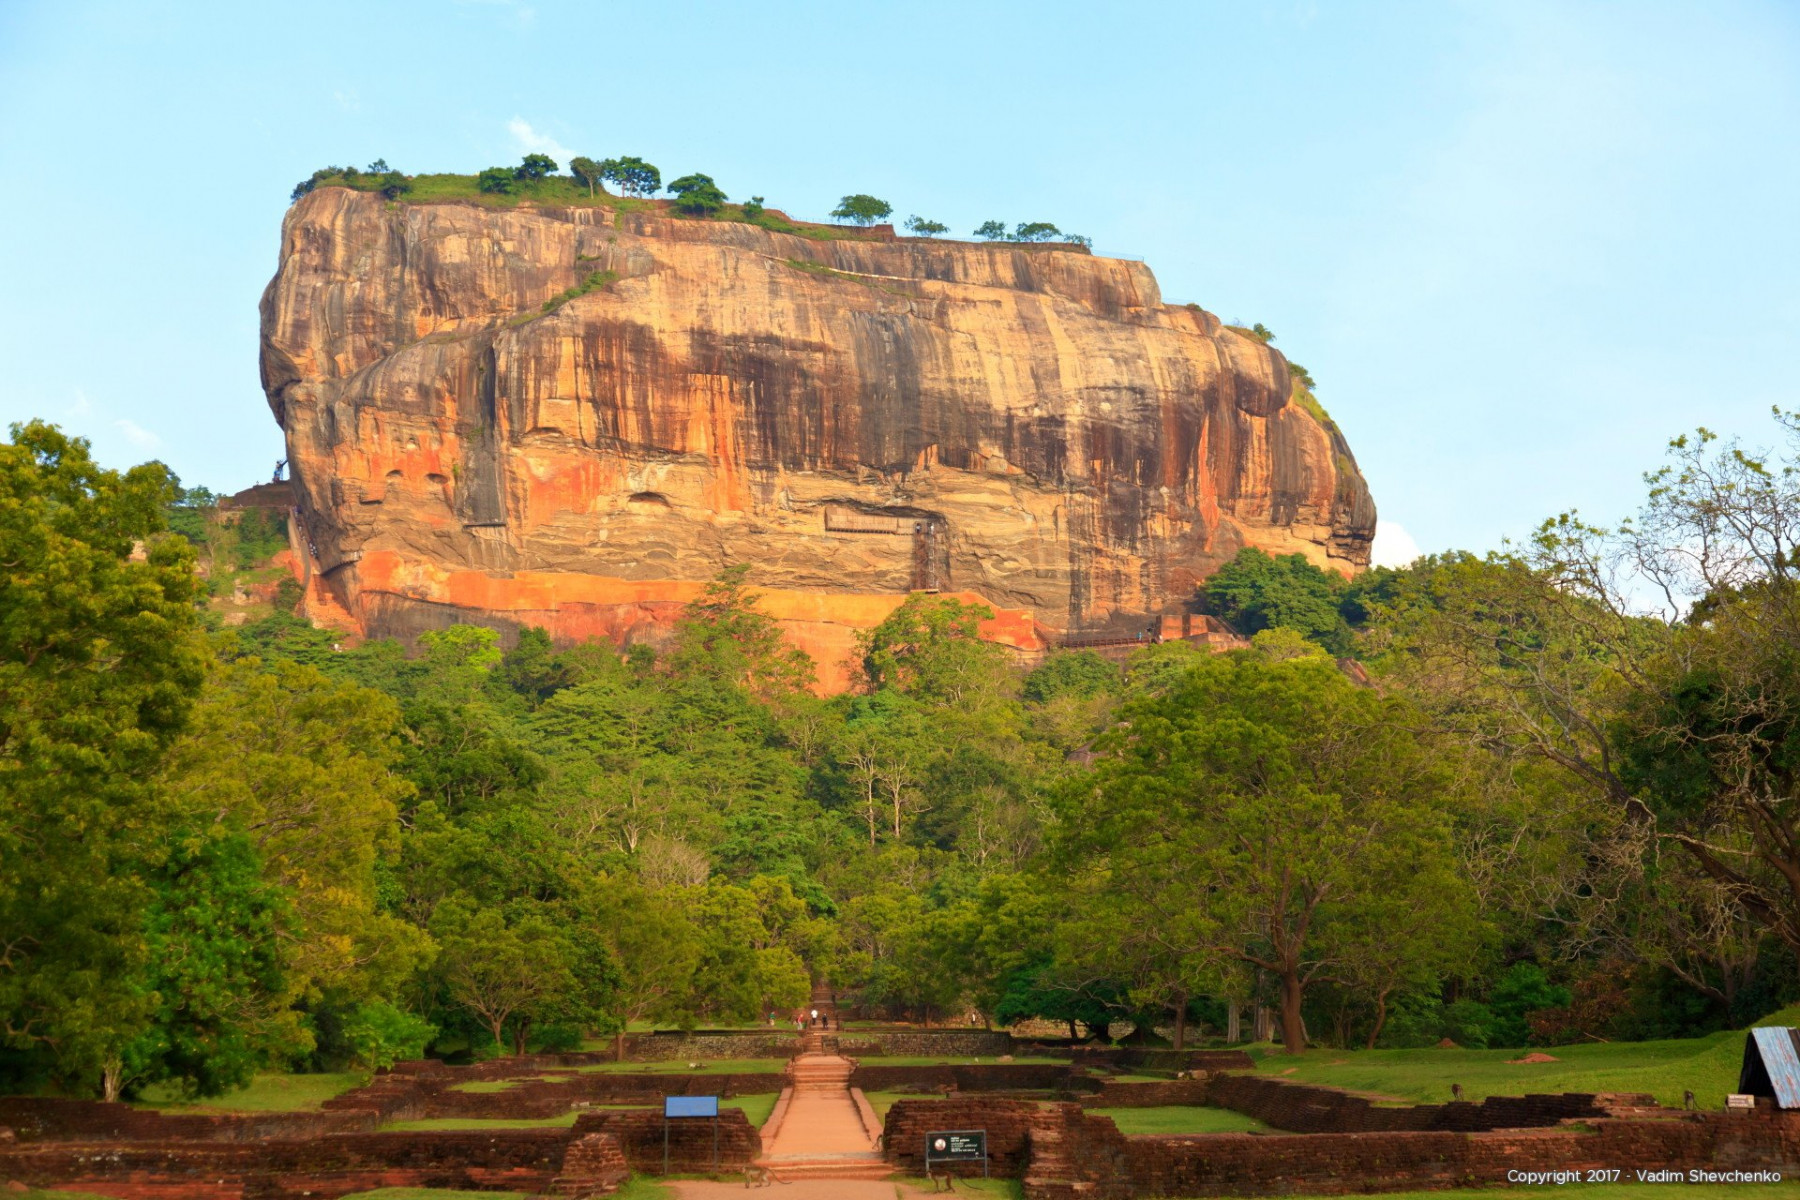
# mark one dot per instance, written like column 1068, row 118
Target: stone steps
column 829, row 1166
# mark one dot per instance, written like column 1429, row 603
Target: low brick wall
column 39, row 1119
column 323, row 1168
column 749, row 1043
column 639, row 1133
column 424, row 1095
column 1008, row 1125
column 1303, row 1108
column 996, row 1077
column 927, row 1043
column 1128, row 1094
column 1172, row 1061
column 1086, row 1156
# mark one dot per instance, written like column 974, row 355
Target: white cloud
column 1394, row 547
column 533, row 142
column 137, row 435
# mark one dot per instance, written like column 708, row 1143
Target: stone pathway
column 822, row 1135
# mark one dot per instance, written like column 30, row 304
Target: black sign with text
column 962, row 1145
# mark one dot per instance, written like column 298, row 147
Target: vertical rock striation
column 854, row 418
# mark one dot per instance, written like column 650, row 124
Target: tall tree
column 99, row 664
column 587, row 171
column 1258, row 813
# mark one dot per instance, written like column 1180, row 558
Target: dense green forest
column 1538, row 796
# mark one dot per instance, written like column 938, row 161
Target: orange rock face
column 855, row 419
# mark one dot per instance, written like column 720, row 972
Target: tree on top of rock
column 1036, row 231
column 586, row 171
column 634, row 176
column 861, row 210
column 991, row 231
column 697, row 195
column 534, row 167
column 923, row 228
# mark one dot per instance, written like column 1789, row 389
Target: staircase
column 823, row 1134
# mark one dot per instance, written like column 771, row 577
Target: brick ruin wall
column 1302, row 1108
column 1149, row 1059
column 325, row 1167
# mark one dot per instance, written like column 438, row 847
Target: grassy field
column 882, row 1101
column 266, row 1093
column 1179, row 1118
column 1708, row 1065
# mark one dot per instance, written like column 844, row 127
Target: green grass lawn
column 1709, row 1065
column 756, row 1106
column 266, row 1093
column 1179, row 1118
column 882, row 1101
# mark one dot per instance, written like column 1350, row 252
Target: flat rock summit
column 574, row 417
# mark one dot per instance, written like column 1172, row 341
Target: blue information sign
column 690, row 1106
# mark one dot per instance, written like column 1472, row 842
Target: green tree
column 652, row 936
column 697, row 195
column 753, row 208
column 1257, row 813
column 305, row 766
column 923, row 228
column 723, row 637
column 861, row 210
column 99, row 664
column 1036, row 231
column 1255, row 591
column 214, row 971
column 496, row 180
column 991, row 231
column 930, row 647
column 587, row 171
column 634, row 176
column 507, row 973
column 534, row 167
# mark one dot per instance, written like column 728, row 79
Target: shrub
column 496, row 180
column 380, row 1035
column 753, row 208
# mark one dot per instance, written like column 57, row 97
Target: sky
column 1520, row 245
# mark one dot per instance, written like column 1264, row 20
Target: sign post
column 680, row 1107
column 956, row 1145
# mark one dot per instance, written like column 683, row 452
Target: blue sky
column 1520, row 245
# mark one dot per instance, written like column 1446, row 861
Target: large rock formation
column 853, row 418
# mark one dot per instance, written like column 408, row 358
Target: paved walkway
column 822, row 1137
